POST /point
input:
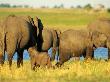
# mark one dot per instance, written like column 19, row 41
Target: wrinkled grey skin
column 100, row 30
column 46, row 38
column 16, row 34
column 39, row 59
column 74, row 43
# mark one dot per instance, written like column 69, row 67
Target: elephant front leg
column 108, row 53
column 10, row 56
column 89, row 53
column 20, row 58
column 33, row 63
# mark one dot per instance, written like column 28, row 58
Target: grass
column 82, row 71
column 63, row 19
column 57, row 18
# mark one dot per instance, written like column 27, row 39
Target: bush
column 108, row 10
column 88, row 7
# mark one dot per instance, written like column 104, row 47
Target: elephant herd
column 19, row 33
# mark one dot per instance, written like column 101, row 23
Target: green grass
column 58, row 18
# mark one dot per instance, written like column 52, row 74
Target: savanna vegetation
column 78, row 71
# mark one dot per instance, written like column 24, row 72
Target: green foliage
column 108, row 10
column 5, row 5
column 79, row 6
column 88, row 7
column 2, row 5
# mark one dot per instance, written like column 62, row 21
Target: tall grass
column 88, row 71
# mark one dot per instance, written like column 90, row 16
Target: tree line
column 5, row 5
column 87, row 6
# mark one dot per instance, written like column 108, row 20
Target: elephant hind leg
column 10, row 56
column 20, row 58
column 1, row 59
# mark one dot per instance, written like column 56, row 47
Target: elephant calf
column 39, row 59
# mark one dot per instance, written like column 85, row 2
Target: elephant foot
column 58, row 64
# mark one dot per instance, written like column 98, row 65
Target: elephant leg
column 33, row 63
column 32, row 58
column 76, row 58
column 20, row 58
column 89, row 53
column 61, row 61
column 49, row 64
column 53, row 53
column 10, row 56
column 1, row 59
column 108, row 53
column 10, row 53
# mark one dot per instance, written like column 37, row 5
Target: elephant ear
column 31, row 20
column 103, row 37
column 100, row 36
column 40, row 25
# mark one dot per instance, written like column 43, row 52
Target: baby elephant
column 39, row 59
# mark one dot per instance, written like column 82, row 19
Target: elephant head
column 99, row 39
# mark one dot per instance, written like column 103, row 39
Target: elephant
column 100, row 29
column 46, row 38
column 16, row 34
column 39, row 59
column 74, row 43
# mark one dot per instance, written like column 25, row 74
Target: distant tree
column 5, row 5
column 14, row 6
column 79, row 7
column 26, row 6
column 72, row 7
column 19, row 6
column 61, row 6
column 44, row 6
column 88, row 7
column 55, row 6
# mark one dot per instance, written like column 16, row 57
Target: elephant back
column 101, row 25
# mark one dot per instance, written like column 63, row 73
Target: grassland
column 63, row 19
column 58, row 18
column 92, row 71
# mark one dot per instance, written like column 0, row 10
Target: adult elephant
column 74, row 43
column 16, row 34
column 46, row 38
column 100, row 30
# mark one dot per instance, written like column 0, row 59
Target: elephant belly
column 72, row 48
column 46, row 46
